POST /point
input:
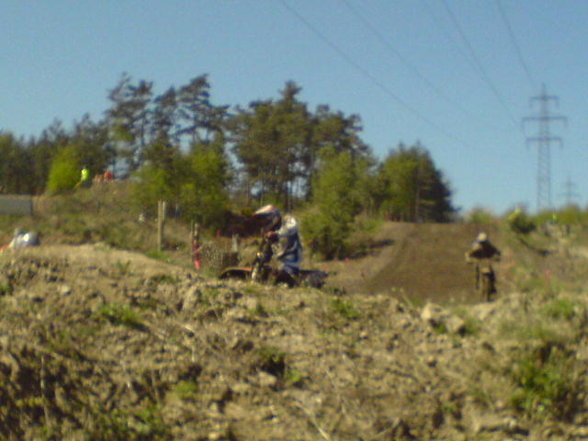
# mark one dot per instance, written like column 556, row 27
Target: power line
column 403, row 60
column 544, row 139
column 366, row 73
column 514, row 43
column 477, row 63
column 570, row 192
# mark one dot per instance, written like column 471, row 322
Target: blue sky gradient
column 455, row 75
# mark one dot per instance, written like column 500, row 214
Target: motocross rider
column 483, row 250
column 284, row 231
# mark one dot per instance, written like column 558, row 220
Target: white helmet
column 482, row 237
column 268, row 210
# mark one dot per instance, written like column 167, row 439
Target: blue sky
column 455, row 75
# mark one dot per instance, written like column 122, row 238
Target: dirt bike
column 262, row 271
column 485, row 280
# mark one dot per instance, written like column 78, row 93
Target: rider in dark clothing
column 284, row 231
column 482, row 253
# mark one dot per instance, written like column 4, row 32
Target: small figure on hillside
column 482, row 253
column 108, row 176
column 84, row 178
column 284, row 232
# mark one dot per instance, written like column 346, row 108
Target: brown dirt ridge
column 98, row 343
column 420, row 261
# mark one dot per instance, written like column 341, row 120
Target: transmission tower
column 544, row 139
column 570, row 192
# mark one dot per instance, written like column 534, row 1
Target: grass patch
column 120, row 315
column 186, row 390
column 158, row 255
column 123, row 267
column 293, row 377
column 164, row 278
column 560, row 308
column 6, row 289
column 546, row 383
column 344, row 308
column 272, row 360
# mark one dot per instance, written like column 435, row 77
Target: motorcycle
column 485, row 281
column 262, row 271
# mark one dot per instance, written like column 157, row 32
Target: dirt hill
column 420, row 261
column 99, row 343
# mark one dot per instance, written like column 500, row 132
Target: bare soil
column 98, row 343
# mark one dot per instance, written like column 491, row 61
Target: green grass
column 186, row 390
column 120, row 315
column 546, row 384
column 559, row 308
column 344, row 308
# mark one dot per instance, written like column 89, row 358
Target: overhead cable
column 404, row 61
column 479, row 66
column 366, row 73
column 515, row 44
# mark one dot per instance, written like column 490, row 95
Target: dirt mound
column 418, row 261
column 98, row 343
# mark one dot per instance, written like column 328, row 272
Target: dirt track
column 101, row 343
column 419, row 261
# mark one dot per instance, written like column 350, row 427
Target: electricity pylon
column 570, row 192
column 544, row 139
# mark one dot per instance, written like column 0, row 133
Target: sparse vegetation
column 344, row 308
column 215, row 359
column 120, row 315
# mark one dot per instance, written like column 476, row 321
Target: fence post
column 161, row 209
column 195, row 241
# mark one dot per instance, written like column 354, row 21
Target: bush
column 520, row 223
column 64, row 172
column 546, row 383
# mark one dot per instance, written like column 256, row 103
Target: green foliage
column 546, row 383
column 16, row 167
column 128, row 118
column 203, row 193
column 6, row 289
column 123, row 267
column 293, row 377
column 272, row 360
column 153, row 184
column 120, row 315
column 559, row 308
column 142, row 424
column 164, row 278
column 186, row 390
column 158, row 255
column 520, row 222
column 65, row 170
column 337, row 200
column 409, row 187
column 345, row 308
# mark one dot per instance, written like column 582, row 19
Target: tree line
column 210, row 158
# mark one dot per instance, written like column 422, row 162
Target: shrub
column 546, row 383
column 345, row 308
column 520, row 223
column 64, row 172
column 120, row 315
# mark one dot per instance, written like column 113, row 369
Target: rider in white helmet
column 285, row 231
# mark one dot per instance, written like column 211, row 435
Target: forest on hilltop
column 211, row 159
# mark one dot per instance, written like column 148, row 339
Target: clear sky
column 456, row 75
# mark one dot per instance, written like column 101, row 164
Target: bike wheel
column 486, row 289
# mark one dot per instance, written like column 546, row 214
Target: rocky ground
column 101, row 344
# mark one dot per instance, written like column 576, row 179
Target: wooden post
column 161, row 209
column 195, row 241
